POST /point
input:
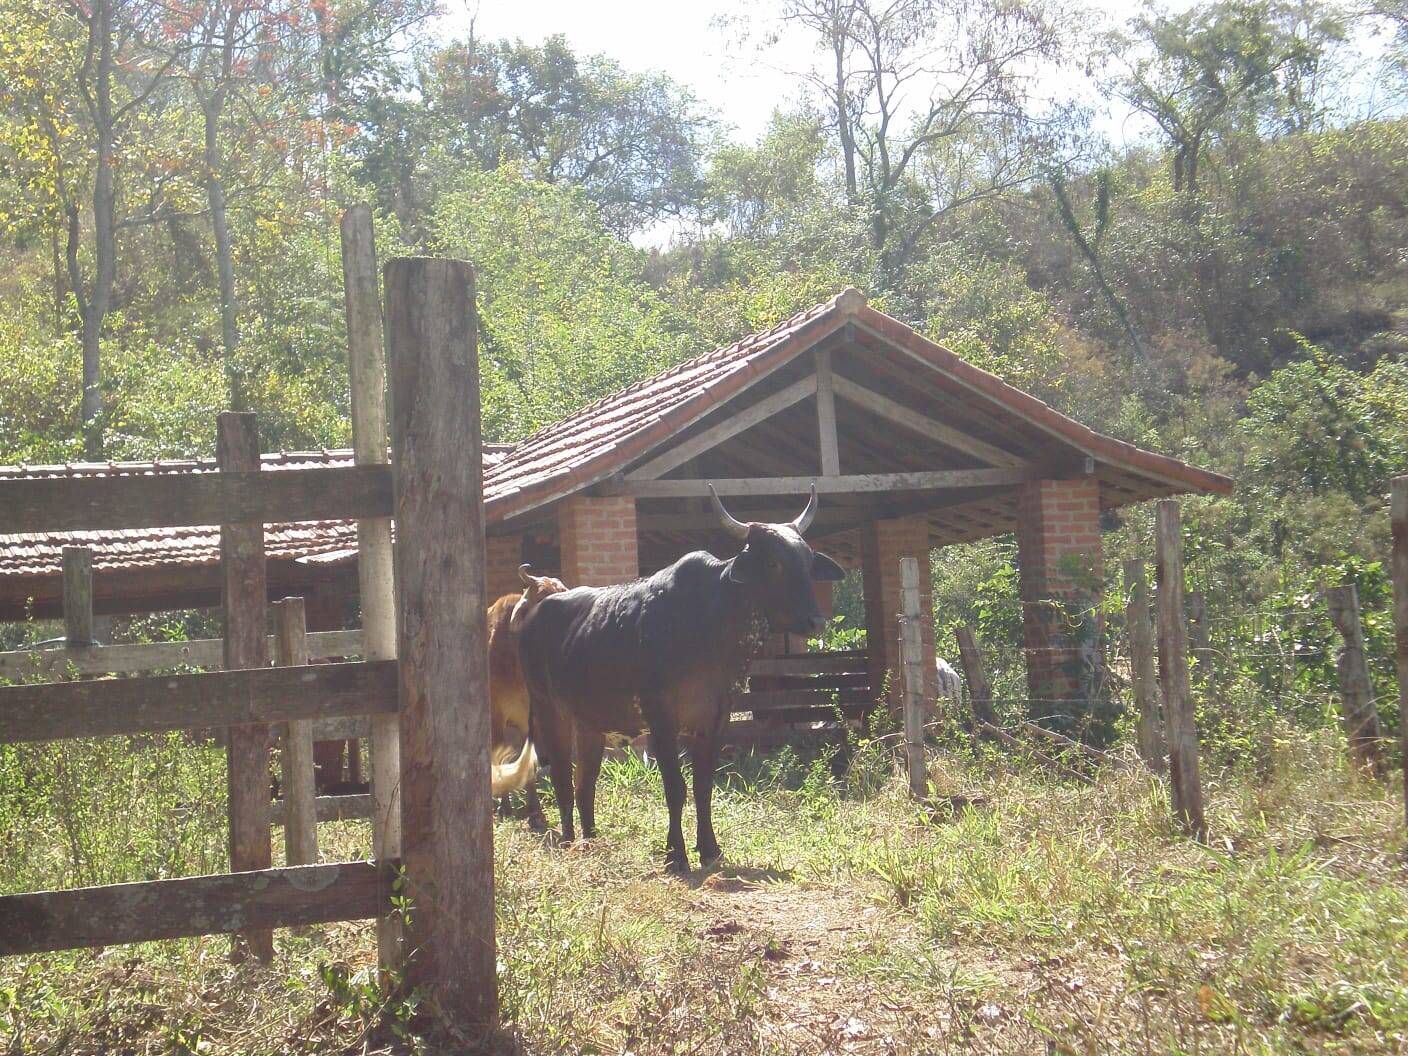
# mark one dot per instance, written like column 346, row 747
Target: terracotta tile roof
column 583, row 448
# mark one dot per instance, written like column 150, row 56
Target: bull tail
column 509, row 777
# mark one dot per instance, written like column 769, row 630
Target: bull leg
column 536, row 821
column 590, row 747
column 664, row 742
column 706, row 760
column 555, row 736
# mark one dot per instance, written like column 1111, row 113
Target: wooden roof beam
column 932, row 480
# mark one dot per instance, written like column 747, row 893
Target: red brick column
column 1058, row 541
column 598, row 540
column 502, row 556
column 883, row 543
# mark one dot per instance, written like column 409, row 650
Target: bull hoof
column 709, row 855
column 676, row 863
column 537, row 823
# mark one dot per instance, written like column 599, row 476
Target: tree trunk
column 104, row 237
column 224, row 260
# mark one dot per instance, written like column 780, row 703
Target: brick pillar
column 1058, row 541
column 883, row 543
column 502, row 556
column 599, row 541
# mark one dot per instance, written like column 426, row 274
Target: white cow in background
column 947, row 683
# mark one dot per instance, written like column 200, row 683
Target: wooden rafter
column 931, row 480
column 826, row 415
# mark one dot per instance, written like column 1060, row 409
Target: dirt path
column 805, row 939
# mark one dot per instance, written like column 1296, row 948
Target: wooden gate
column 429, row 704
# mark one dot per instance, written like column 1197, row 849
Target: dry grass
column 1051, row 917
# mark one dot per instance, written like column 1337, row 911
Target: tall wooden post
column 375, row 574
column 78, row 596
column 1400, row 618
column 1181, row 730
column 247, row 751
column 446, row 809
column 979, row 688
column 912, row 669
column 1361, row 719
column 1143, row 682
column 296, row 759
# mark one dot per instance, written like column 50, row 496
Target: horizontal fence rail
column 139, row 658
column 328, row 808
column 41, row 921
column 324, row 493
column 116, row 706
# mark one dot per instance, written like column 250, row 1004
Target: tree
column 1205, row 72
column 932, row 104
column 119, row 73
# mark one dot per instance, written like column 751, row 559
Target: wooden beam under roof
column 930, row 480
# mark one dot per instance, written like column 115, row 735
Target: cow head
column 536, row 588
column 778, row 567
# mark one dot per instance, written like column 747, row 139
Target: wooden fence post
column 78, row 596
column 1144, row 683
column 247, row 749
column 296, row 759
column 1400, row 618
column 446, row 809
column 375, row 572
column 979, row 689
column 1357, row 711
column 1181, row 732
column 912, row 668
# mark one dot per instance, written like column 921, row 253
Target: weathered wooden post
column 375, row 574
column 1181, row 731
column 912, row 668
column 247, row 750
column 1400, row 618
column 1143, row 681
column 442, row 636
column 979, row 688
column 296, row 758
column 78, row 596
column 1357, row 711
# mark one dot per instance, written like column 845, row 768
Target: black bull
column 663, row 654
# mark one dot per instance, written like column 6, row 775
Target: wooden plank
column 826, row 415
column 810, row 664
column 119, row 706
column 366, row 360
column 770, row 699
column 929, row 480
column 155, row 656
column 1399, row 564
column 196, row 905
column 1144, row 684
column 729, row 427
column 442, row 645
column 915, row 422
column 175, row 500
column 1362, row 729
column 915, row 695
column 979, row 688
column 296, row 759
column 1180, row 730
column 331, row 808
column 245, row 589
column 78, row 596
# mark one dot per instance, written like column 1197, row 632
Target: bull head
column 538, row 587
column 778, row 567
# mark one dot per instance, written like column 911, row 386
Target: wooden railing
column 785, row 692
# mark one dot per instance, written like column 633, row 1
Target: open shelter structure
column 911, row 448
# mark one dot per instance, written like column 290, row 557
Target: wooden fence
column 431, row 821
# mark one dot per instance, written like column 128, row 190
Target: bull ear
column 824, row 568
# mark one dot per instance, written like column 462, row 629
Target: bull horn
column 804, row 519
column 523, row 576
column 734, row 527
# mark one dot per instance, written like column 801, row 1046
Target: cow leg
column 590, row 747
column 706, row 760
column 664, row 742
column 536, row 820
